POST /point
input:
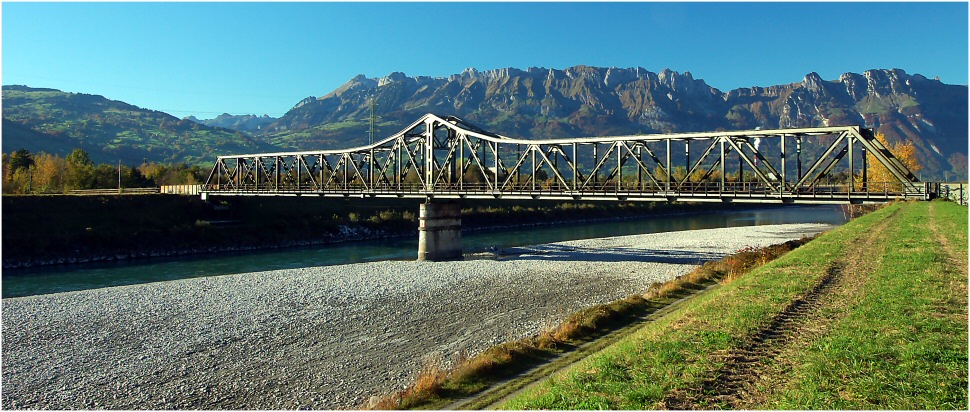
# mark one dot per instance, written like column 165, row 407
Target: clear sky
column 204, row 59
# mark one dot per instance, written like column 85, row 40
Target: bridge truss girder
column 446, row 157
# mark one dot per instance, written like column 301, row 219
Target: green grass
column 899, row 341
column 904, row 345
column 581, row 334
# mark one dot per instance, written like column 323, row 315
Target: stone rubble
column 322, row 337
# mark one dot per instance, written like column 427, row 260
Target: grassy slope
column 57, row 122
column 904, row 344
column 891, row 332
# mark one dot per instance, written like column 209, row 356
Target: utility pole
column 119, row 176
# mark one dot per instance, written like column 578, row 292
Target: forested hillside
column 56, row 122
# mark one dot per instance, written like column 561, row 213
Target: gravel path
column 322, row 337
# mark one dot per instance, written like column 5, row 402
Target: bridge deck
column 819, row 195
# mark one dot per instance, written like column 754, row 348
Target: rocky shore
column 321, row 337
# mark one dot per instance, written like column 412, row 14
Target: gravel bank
column 322, row 337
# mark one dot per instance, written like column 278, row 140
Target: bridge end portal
column 439, row 231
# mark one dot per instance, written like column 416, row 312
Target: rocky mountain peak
column 359, row 82
column 391, row 78
column 855, row 84
column 685, row 83
column 814, row 83
column 304, row 102
column 615, row 76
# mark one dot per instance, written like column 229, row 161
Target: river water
column 36, row 281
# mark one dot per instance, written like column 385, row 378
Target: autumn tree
column 905, row 151
column 179, row 174
column 21, row 159
column 18, row 172
column 48, row 176
column 79, row 171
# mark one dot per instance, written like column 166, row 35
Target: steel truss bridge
column 447, row 158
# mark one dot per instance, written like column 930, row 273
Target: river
column 44, row 280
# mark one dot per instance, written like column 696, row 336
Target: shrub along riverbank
column 43, row 230
column 872, row 315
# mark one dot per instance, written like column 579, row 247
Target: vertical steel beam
column 462, row 138
column 639, row 168
column 740, row 165
column 851, row 166
column 535, row 168
column 723, row 162
column 575, row 168
column 495, row 152
column 595, row 162
column 687, row 159
column 669, row 172
column 619, row 165
column 429, row 155
column 784, row 161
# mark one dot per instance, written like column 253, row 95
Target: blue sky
column 204, row 59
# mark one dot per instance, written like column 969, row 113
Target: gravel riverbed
column 322, row 337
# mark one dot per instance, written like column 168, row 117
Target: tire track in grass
column 734, row 385
column 951, row 254
column 729, row 385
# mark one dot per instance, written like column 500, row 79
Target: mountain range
column 573, row 102
column 248, row 123
column 56, row 122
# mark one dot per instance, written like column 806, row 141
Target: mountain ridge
column 249, row 123
column 594, row 101
column 586, row 101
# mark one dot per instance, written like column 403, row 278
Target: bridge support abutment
column 439, row 231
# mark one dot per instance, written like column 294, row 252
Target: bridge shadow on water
column 564, row 253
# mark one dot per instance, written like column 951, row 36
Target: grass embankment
column 872, row 315
column 580, row 335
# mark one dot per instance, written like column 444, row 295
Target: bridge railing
column 873, row 191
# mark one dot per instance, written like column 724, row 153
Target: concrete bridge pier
column 439, row 231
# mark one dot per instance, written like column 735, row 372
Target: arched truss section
column 446, row 157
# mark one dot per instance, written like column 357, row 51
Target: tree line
column 42, row 173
